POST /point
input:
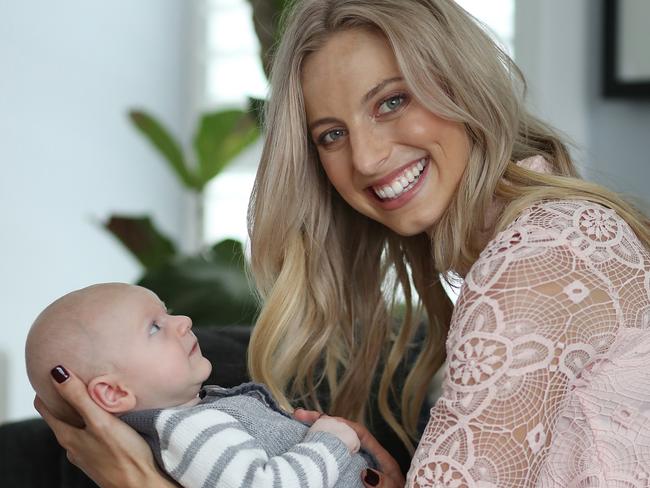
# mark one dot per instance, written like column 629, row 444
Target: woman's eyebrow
column 371, row 93
column 324, row 120
column 379, row 87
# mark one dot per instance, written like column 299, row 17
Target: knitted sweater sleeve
column 210, row 448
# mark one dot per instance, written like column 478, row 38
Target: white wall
column 551, row 49
column 69, row 70
column 619, row 130
column 558, row 44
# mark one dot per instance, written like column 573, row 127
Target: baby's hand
column 339, row 429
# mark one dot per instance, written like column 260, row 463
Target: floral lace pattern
column 547, row 381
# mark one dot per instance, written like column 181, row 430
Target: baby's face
column 155, row 354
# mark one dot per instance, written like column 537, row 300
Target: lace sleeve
column 532, row 312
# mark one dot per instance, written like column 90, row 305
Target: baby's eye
column 154, row 328
column 331, row 136
column 391, row 104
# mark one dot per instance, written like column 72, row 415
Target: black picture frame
column 614, row 86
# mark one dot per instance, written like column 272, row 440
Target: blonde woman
column 398, row 154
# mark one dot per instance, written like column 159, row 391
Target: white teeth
column 402, row 183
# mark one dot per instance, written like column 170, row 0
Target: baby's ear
column 109, row 394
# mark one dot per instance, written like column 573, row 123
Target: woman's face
column 389, row 157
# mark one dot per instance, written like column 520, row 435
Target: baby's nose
column 184, row 324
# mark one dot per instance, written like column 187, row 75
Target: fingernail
column 371, row 477
column 60, row 374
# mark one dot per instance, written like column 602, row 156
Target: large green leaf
column 142, row 239
column 162, row 140
column 230, row 252
column 211, row 288
column 221, row 137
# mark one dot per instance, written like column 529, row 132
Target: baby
column 145, row 365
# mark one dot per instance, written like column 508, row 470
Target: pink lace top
column 547, row 382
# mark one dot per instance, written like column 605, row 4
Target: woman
column 398, row 150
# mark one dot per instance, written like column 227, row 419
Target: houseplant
column 210, row 285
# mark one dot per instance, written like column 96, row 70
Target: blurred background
column 70, row 72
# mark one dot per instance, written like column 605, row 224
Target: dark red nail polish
column 60, row 374
column 371, row 477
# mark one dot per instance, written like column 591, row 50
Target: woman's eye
column 391, row 104
column 154, row 328
column 331, row 136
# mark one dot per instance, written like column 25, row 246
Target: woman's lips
column 406, row 196
column 400, row 180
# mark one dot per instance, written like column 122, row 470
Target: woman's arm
column 106, row 449
column 530, row 316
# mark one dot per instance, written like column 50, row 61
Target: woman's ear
column 108, row 393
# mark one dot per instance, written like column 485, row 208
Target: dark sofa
column 31, row 458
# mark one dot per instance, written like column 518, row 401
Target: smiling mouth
column 402, row 183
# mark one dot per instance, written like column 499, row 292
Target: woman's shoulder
column 588, row 219
column 580, row 226
column 551, row 239
column 568, row 271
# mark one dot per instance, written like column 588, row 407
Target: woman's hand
column 106, row 449
column 390, row 475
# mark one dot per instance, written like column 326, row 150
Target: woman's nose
column 369, row 150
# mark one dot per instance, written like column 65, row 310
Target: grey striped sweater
column 238, row 438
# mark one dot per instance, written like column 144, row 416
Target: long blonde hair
column 329, row 276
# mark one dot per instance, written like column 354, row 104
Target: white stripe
column 190, row 427
column 311, row 469
column 264, row 475
column 328, row 458
column 199, row 421
column 202, row 463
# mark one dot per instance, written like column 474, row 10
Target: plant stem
column 199, row 222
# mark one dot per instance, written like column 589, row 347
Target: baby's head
column 120, row 340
